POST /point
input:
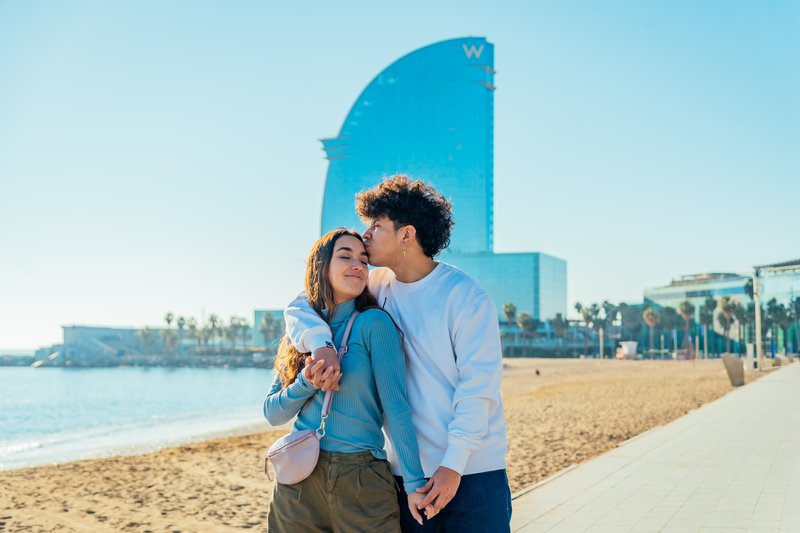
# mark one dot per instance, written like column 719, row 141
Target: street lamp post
column 757, row 303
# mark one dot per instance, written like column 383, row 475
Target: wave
column 121, row 439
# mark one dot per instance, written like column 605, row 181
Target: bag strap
column 326, row 403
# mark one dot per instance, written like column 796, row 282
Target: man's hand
column 441, row 488
column 414, row 501
column 331, row 358
column 318, row 374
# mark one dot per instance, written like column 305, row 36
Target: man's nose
column 366, row 235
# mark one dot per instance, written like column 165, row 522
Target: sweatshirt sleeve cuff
column 455, row 458
column 303, row 384
column 317, row 338
column 412, row 486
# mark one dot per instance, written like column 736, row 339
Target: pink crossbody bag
column 295, row 455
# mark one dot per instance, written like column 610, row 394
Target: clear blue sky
column 161, row 156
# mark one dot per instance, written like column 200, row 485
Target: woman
column 351, row 488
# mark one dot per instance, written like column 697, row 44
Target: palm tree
column 651, row 318
column 590, row 315
column 168, row 335
column 686, row 310
column 631, row 319
column 528, row 324
column 170, row 339
column 560, row 326
column 610, row 312
column 232, row 331
column 794, row 306
column 750, row 319
column 205, row 334
column 775, row 317
column 193, row 331
column 579, row 307
column 267, row 327
column 181, row 323
column 510, row 310
column 726, row 307
column 740, row 314
column 671, row 321
column 215, row 327
column 749, row 289
column 707, row 318
column 240, row 328
column 146, row 335
column 750, row 313
column 784, row 321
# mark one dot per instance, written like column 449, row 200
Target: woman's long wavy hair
column 319, row 290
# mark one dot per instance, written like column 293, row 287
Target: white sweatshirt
column 455, row 366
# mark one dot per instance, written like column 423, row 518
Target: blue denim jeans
column 482, row 504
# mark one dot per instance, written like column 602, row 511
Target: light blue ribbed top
column 373, row 385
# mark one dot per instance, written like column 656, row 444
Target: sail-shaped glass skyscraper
column 430, row 115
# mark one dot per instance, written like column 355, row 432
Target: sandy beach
column 572, row 411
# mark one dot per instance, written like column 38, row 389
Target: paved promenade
column 731, row 465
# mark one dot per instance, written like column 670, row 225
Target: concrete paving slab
column 731, row 465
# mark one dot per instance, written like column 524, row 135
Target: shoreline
column 574, row 411
column 240, row 430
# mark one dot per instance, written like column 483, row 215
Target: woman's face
column 347, row 271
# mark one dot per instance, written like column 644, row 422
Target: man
column 454, row 358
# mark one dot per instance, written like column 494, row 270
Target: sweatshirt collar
column 420, row 283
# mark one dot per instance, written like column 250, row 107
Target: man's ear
column 409, row 234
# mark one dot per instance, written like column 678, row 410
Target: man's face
column 383, row 242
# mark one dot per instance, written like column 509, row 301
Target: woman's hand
column 331, row 358
column 314, row 372
column 414, row 499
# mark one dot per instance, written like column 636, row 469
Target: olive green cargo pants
column 345, row 492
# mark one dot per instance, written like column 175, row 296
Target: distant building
column 90, row 344
column 696, row 288
column 430, row 115
column 780, row 281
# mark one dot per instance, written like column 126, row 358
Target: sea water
column 51, row 415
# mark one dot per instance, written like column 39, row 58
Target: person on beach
column 351, row 488
column 453, row 351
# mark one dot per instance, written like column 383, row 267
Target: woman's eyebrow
column 348, row 249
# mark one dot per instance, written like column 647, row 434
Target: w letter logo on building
column 472, row 51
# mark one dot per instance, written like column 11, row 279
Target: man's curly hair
column 405, row 201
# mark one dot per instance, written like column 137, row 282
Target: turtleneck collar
column 343, row 312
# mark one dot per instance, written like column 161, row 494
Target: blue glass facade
column 430, row 115
column 535, row 283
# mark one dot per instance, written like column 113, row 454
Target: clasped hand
column 322, row 369
column 438, row 491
